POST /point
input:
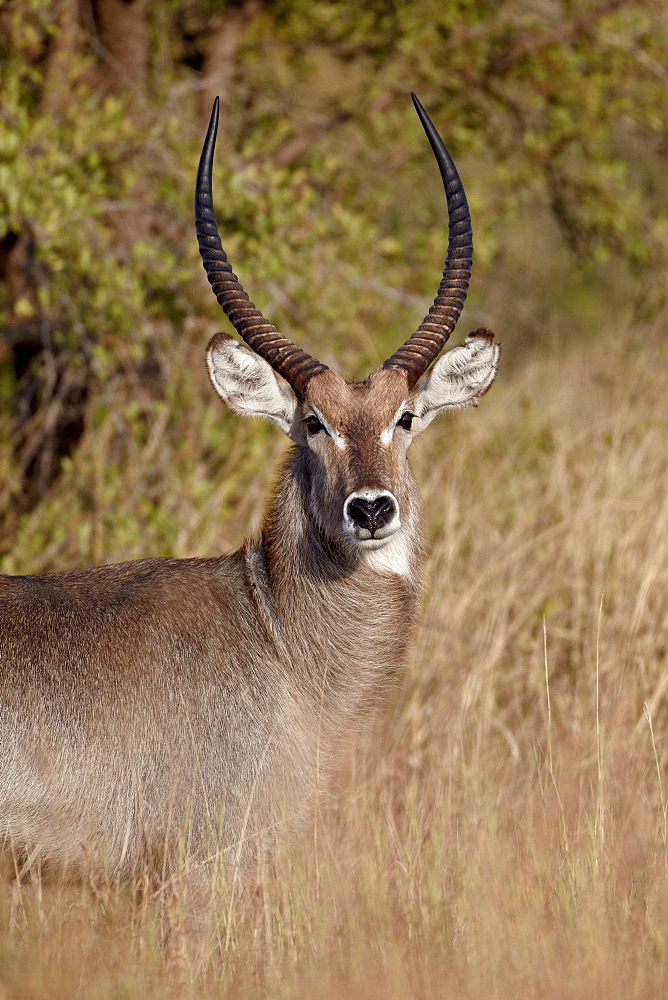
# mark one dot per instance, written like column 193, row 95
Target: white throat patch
column 393, row 557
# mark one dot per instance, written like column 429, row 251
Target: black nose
column 371, row 514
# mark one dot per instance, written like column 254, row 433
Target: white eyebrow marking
column 336, row 436
column 386, row 435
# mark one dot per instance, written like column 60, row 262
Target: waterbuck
column 196, row 705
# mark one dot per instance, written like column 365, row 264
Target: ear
column 248, row 383
column 458, row 378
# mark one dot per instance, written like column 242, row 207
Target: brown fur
column 150, row 701
column 194, row 707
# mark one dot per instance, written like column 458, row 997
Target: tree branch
column 529, row 44
column 220, row 59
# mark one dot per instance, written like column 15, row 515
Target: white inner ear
column 248, row 383
column 458, row 378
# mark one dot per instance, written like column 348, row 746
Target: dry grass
column 506, row 830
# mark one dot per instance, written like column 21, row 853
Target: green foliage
column 327, row 197
column 560, row 104
column 466, row 863
column 71, row 175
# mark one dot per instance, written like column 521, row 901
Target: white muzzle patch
column 371, row 517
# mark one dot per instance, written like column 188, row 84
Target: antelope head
column 353, row 437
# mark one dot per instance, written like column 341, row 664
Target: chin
column 371, row 544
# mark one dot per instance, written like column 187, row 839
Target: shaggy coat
column 165, row 706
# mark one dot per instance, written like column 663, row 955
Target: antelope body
column 198, row 704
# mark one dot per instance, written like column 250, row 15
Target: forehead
column 373, row 402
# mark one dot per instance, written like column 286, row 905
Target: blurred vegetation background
column 506, row 831
column 331, row 209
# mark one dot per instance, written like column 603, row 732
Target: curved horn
column 290, row 361
column 430, row 337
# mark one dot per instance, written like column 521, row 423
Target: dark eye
column 406, row 421
column 313, row 425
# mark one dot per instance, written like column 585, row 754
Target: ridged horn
column 433, row 332
column 290, row 361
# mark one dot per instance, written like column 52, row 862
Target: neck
column 346, row 616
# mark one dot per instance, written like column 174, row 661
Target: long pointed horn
column 433, row 332
column 290, row 361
